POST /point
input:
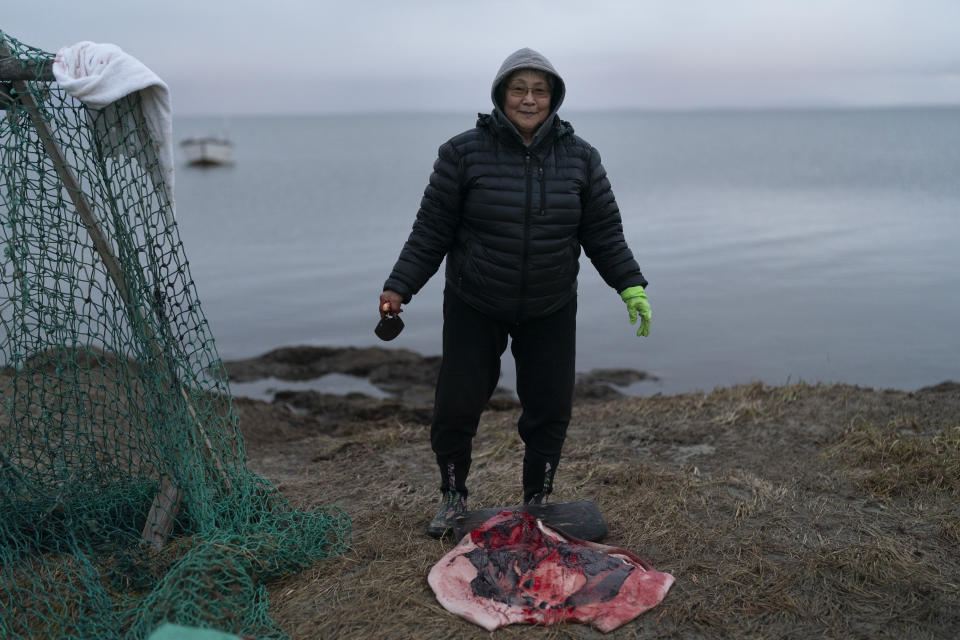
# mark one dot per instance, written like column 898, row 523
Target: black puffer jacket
column 511, row 221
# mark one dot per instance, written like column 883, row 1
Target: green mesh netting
column 124, row 498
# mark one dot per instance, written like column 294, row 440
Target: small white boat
column 207, row 151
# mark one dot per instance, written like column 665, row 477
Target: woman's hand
column 390, row 302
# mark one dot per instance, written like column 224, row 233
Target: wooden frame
column 166, row 504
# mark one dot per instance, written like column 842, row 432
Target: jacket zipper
column 527, row 207
column 543, row 191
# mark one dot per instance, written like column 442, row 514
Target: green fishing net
column 124, row 496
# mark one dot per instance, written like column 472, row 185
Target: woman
column 509, row 204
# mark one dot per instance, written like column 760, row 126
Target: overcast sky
column 224, row 57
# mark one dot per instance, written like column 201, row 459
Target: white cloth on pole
column 100, row 74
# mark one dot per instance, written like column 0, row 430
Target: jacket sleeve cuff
column 641, row 283
column 394, row 285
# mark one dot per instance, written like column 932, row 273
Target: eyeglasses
column 539, row 93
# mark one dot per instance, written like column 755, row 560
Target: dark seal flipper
column 580, row 519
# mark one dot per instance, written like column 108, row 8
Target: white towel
column 100, row 74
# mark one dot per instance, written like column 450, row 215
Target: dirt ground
column 799, row 511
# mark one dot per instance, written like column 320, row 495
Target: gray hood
column 528, row 59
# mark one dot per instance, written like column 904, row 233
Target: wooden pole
column 12, row 68
column 166, row 504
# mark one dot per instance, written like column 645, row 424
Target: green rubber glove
column 636, row 299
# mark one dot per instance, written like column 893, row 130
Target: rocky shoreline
column 403, row 381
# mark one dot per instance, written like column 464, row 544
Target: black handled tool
column 389, row 326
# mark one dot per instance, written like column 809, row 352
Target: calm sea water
column 780, row 246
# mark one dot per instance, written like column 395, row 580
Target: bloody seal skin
column 514, row 569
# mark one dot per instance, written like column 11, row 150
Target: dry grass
column 804, row 511
column 895, row 460
column 784, row 512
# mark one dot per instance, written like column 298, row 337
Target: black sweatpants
column 544, row 350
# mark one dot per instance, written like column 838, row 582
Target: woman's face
column 527, row 101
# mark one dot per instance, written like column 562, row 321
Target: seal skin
column 514, row 569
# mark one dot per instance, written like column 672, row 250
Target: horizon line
column 613, row 110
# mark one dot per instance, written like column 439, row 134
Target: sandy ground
column 783, row 512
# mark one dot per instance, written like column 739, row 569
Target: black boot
column 453, row 487
column 452, row 504
column 538, row 475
